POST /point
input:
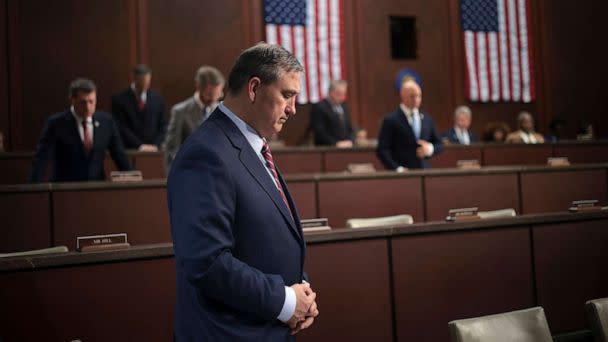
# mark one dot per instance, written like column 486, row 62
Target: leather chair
column 597, row 312
column 397, row 220
column 529, row 325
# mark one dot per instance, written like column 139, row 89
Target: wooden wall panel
column 141, row 213
column 175, row 37
column 567, row 259
column 24, row 221
column 340, row 272
column 125, row 301
column 575, row 68
column 66, row 40
column 377, row 69
column 4, row 108
column 489, row 272
column 183, row 35
column 555, row 191
column 487, row 192
column 340, row 200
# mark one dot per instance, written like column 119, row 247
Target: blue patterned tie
column 416, row 124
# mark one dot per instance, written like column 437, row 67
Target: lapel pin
column 96, row 123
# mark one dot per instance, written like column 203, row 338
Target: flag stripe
column 470, row 47
column 495, row 72
column 530, row 51
column 498, row 50
column 504, row 53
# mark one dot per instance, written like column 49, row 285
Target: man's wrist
column 289, row 305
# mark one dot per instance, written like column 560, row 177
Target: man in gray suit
column 187, row 115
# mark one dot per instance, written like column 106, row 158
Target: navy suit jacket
column 236, row 245
column 60, row 143
column 451, row 136
column 397, row 142
column 328, row 127
column 139, row 127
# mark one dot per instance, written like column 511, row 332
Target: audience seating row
column 15, row 166
column 43, row 215
column 383, row 284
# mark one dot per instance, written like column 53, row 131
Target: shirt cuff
column 289, row 306
column 431, row 150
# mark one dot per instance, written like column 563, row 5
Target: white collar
column 409, row 111
column 78, row 118
column 254, row 139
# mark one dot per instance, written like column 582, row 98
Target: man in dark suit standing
column 140, row 113
column 76, row 141
column 408, row 138
column 330, row 119
column 239, row 246
column 461, row 132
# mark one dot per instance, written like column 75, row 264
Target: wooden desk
column 418, row 277
column 25, row 218
column 487, row 189
column 337, row 161
column 453, row 153
column 344, row 196
column 517, row 154
column 139, row 209
column 570, row 260
column 554, row 189
column 15, row 167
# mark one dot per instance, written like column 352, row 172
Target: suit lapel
column 406, row 124
column 75, row 131
column 97, row 133
column 252, row 164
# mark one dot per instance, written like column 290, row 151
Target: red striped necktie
column 270, row 164
column 86, row 137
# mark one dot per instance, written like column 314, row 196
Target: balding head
column 411, row 94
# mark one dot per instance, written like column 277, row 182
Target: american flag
column 312, row 30
column 498, row 50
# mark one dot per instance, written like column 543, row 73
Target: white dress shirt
column 90, row 129
column 462, row 135
column 257, row 142
column 143, row 97
column 528, row 138
column 409, row 115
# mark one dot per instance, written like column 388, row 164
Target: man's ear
column 253, row 85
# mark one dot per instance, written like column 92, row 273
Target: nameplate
column 315, row 225
column 558, row 161
column 469, row 164
column 463, row 214
column 126, row 176
column 361, row 168
column 584, row 206
column 102, row 242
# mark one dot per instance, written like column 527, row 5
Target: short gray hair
column 265, row 61
column 336, row 83
column 524, row 115
column 208, row 75
column 463, row 110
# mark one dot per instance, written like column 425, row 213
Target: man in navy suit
column 461, row 132
column 408, row 138
column 330, row 120
column 140, row 113
column 76, row 140
column 239, row 246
